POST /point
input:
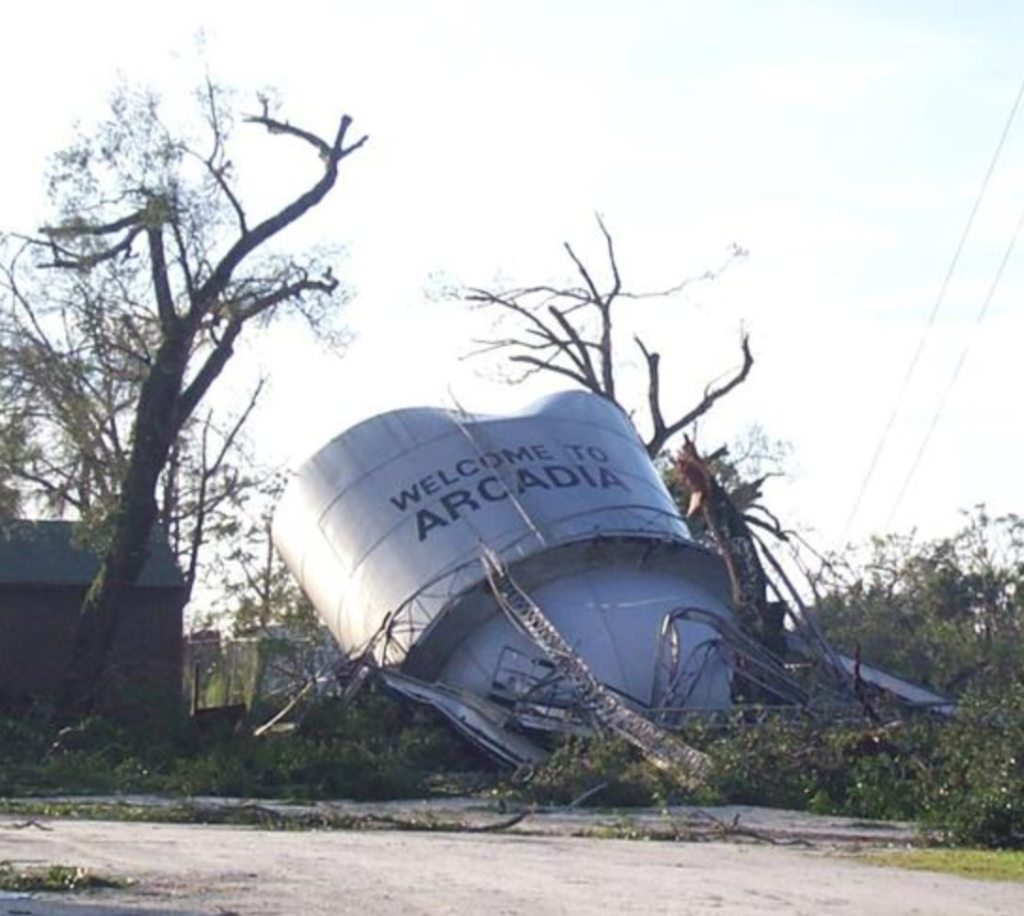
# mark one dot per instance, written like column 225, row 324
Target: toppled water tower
column 385, row 527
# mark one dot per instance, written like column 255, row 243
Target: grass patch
column 987, row 864
column 55, row 878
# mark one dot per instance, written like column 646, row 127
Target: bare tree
column 153, row 238
column 571, row 332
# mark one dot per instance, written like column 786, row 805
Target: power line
column 912, row 367
column 956, row 369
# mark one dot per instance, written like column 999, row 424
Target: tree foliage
column 12, row 454
column 125, row 308
column 263, row 600
column 70, row 385
column 947, row 612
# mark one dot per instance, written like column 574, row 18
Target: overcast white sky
column 842, row 143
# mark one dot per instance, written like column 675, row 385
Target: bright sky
column 842, row 143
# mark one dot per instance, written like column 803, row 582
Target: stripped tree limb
column 571, row 332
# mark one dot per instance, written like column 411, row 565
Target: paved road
column 190, row 869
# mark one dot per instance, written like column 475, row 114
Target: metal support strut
column 661, row 748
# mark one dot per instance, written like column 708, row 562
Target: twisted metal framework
column 605, row 707
column 756, row 671
column 774, row 670
column 762, row 642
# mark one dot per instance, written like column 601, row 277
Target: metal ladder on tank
column 664, row 750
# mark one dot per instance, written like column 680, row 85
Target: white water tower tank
column 383, row 528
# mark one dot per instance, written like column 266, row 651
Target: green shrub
column 977, row 792
column 372, row 748
column 579, row 766
column 765, row 764
column 964, row 778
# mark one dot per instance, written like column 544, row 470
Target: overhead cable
column 956, row 369
column 915, row 359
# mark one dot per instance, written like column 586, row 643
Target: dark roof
column 46, row 553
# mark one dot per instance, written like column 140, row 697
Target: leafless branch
column 249, row 241
column 613, row 263
column 79, row 228
column 65, row 258
column 296, row 289
column 183, row 259
column 595, row 295
column 570, row 331
column 770, row 523
column 547, row 365
column 208, row 471
column 653, row 363
column 663, row 432
column 734, row 254
column 215, row 163
column 579, row 351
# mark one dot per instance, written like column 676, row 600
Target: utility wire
column 912, row 367
column 956, row 370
